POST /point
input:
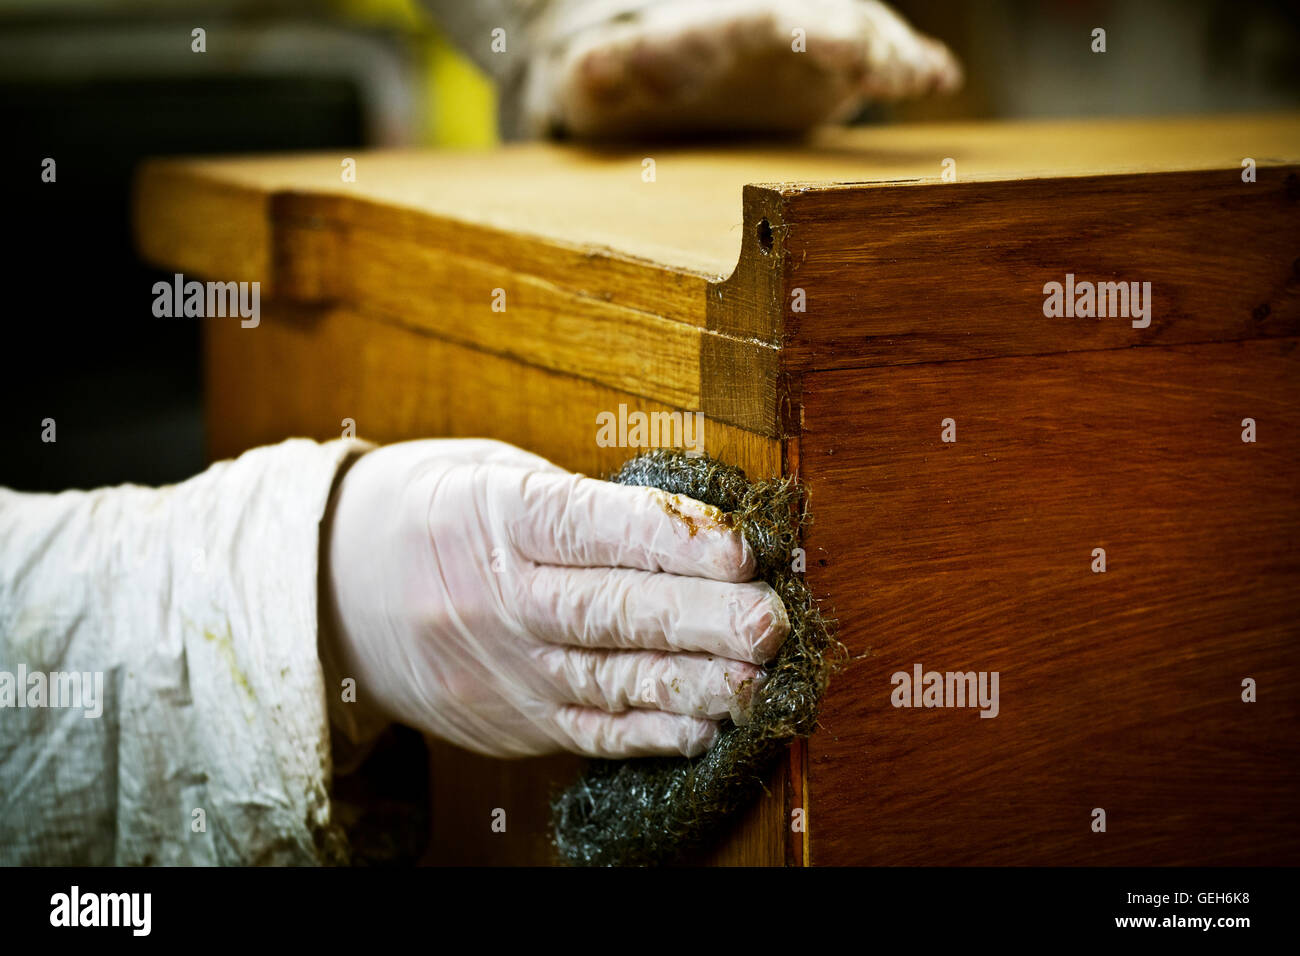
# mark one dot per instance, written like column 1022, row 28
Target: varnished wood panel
column 305, row 368
column 894, row 276
column 1118, row 690
column 452, row 296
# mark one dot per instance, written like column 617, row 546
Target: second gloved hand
column 479, row 593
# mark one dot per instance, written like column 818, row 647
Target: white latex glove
column 637, row 68
column 479, row 593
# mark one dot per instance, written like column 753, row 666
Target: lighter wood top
column 689, row 218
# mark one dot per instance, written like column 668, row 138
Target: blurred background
column 100, row 85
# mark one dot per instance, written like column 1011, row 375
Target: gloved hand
column 479, row 593
column 639, row 68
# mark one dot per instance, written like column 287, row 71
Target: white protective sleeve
column 189, row 613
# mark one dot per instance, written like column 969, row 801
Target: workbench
column 1039, row 380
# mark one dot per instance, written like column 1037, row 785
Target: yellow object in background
column 460, row 104
column 462, row 101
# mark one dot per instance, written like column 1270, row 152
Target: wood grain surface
column 894, row 276
column 1118, row 690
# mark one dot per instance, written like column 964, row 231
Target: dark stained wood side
column 1119, row 690
column 937, row 272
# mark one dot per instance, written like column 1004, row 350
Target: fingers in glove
column 622, row 608
column 690, row 684
column 633, row 733
column 581, row 522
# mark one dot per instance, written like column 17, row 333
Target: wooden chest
column 1040, row 381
